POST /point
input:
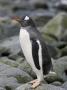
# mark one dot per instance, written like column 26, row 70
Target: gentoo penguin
column 34, row 49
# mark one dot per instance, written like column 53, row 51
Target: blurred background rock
column 50, row 17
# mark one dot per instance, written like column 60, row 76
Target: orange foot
column 35, row 83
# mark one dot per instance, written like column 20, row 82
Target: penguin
column 34, row 49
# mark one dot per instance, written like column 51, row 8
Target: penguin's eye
column 26, row 18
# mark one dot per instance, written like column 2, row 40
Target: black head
column 24, row 21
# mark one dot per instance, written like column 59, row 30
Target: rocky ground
column 15, row 72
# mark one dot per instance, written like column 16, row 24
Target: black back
column 46, row 59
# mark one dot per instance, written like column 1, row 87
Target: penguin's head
column 24, row 21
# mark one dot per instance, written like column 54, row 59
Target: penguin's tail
column 52, row 72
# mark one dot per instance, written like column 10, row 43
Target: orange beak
column 17, row 18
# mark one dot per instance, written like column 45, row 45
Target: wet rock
column 41, row 87
column 60, row 67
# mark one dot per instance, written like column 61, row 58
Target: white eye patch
column 26, row 18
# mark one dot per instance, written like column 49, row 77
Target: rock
column 21, row 76
column 10, row 62
column 56, row 26
column 12, row 44
column 50, row 38
column 57, row 83
column 41, row 87
column 64, row 37
column 4, row 51
column 53, row 51
column 27, row 68
column 51, row 77
column 60, row 44
column 60, row 67
column 62, row 5
column 41, row 17
column 15, row 57
column 65, row 85
column 64, row 51
column 11, row 78
column 7, row 28
column 9, row 82
column 2, row 88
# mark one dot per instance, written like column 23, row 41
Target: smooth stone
column 60, row 67
column 12, row 44
column 10, row 62
column 2, row 88
column 27, row 68
column 20, row 75
column 10, row 82
column 41, row 87
column 65, row 85
column 56, row 83
column 56, row 26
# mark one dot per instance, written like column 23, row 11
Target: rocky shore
column 15, row 72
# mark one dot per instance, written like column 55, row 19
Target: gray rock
column 62, row 5
column 15, row 72
column 51, row 77
column 64, row 51
column 41, row 87
column 3, row 67
column 12, row 44
column 7, row 28
column 4, row 51
column 15, row 57
column 56, row 26
column 60, row 67
column 57, row 83
column 21, row 76
column 65, row 85
column 2, row 88
column 9, row 82
column 27, row 68
column 10, row 62
column 53, row 51
column 64, row 37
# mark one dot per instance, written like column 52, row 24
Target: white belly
column 26, row 46
column 27, row 50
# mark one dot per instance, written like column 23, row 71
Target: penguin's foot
column 31, row 82
column 35, row 83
